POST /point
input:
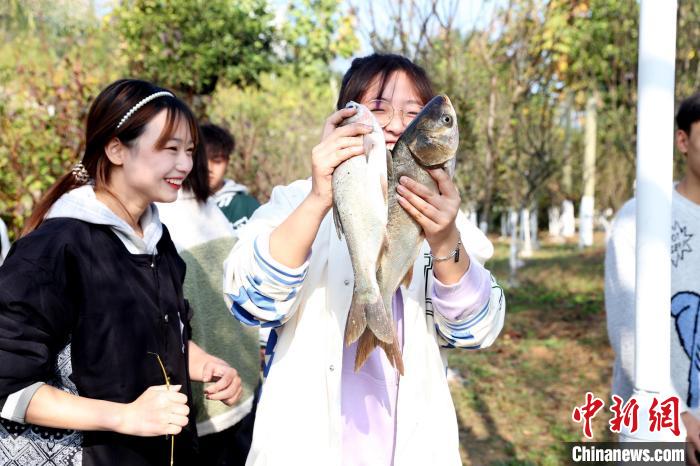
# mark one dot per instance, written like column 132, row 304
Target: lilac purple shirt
column 369, row 396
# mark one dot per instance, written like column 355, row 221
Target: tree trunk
column 568, row 219
column 554, row 215
column 513, row 257
column 588, row 200
column 491, row 156
column 525, row 232
column 534, row 228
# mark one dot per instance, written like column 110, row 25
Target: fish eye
column 446, row 119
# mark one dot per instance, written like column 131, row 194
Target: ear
column 682, row 141
column 116, row 151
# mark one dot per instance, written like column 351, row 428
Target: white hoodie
column 82, row 204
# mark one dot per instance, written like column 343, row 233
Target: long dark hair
column 105, row 114
column 365, row 69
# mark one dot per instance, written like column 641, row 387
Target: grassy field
column 514, row 400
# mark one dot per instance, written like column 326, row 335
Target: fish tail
column 368, row 341
column 357, row 322
column 379, row 320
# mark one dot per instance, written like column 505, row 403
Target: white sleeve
column 259, row 290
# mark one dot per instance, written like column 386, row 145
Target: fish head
column 363, row 115
column 433, row 136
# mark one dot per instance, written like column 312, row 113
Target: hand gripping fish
column 360, row 213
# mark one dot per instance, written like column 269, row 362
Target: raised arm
column 291, row 241
column 267, row 267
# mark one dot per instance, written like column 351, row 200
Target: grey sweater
column 685, row 302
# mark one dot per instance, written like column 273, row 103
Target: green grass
column 515, row 398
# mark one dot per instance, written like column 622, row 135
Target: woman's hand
column 227, row 386
column 204, row 367
column 158, row 411
column 338, row 143
column 434, row 212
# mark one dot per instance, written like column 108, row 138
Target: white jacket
column 298, row 420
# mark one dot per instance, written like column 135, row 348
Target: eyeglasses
column 383, row 111
column 167, row 385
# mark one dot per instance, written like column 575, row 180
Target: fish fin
column 368, row 144
column 357, row 322
column 428, row 154
column 393, row 353
column 336, row 220
column 385, row 190
column 408, row 277
column 368, row 342
column 451, row 167
column 365, row 346
column 379, row 320
column 389, row 165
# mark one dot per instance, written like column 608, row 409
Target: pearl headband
column 141, row 103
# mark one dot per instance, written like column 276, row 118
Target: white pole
column 657, row 51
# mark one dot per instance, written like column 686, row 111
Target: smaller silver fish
column 360, row 213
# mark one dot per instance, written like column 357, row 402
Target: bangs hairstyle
column 105, row 113
column 363, row 71
column 688, row 113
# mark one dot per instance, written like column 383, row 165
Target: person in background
column 203, row 237
column 94, row 329
column 232, row 198
column 685, row 287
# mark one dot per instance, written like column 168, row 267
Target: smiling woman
column 94, row 329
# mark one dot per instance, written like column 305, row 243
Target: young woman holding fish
column 94, row 330
column 290, row 271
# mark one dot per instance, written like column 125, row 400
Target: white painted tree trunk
column 484, row 227
column 513, row 257
column 605, row 220
column 568, row 220
column 525, row 233
column 555, row 226
column 588, row 201
column 533, row 229
column 585, row 237
column 504, row 225
column 472, row 217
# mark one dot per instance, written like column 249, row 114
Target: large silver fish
column 360, row 213
column 430, row 141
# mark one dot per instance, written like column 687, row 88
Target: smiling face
column 154, row 166
column 402, row 94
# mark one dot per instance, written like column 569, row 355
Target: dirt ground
column 514, row 400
